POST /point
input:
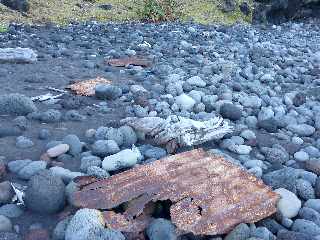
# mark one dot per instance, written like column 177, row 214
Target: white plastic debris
column 19, row 194
column 184, row 131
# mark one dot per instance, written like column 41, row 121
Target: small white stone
column 58, row 150
column 185, row 102
column 289, row 204
column 124, row 158
column 301, row 156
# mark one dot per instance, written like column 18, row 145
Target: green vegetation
column 64, row 11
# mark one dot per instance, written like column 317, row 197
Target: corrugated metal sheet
column 210, row 195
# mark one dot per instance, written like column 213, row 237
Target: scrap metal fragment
column 209, row 194
column 136, row 61
column 184, row 131
column 87, row 87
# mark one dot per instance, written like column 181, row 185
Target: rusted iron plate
column 210, row 195
column 87, row 87
column 121, row 223
column 136, row 61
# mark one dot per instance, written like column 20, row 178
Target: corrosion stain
column 209, row 194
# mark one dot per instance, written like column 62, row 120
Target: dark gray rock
column 272, row 225
column 108, row 92
column 89, row 161
column 305, row 189
column 270, row 125
column 129, row 136
column 9, row 236
column 290, row 235
column 73, row 115
column 299, row 99
column 45, row 193
column 275, row 155
column 310, row 214
column 11, row 211
column 103, row 148
column 19, row 5
column 283, row 178
column 60, row 229
column 306, row 226
column 160, row 229
column 240, row 232
column 16, row 104
column 230, row 111
column 44, row 134
column 23, row 142
column 50, row 116
column 6, row 192
column 9, row 131
column 155, row 152
column 74, row 143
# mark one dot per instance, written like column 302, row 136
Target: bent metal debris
column 209, row 194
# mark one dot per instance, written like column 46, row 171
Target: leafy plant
column 3, row 29
column 159, row 10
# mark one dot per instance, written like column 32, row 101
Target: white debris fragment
column 19, row 194
column 184, row 131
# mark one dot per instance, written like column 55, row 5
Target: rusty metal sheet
column 136, row 61
column 209, row 194
column 121, row 223
column 87, row 87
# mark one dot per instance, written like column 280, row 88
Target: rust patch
column 135, row 61
column 209, row 194
column 87, row 87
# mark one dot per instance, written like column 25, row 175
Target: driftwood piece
column 17, row 55
column 183, row 131
column 209, row 195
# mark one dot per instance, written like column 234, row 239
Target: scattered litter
column 136, row 61
column 57, row 90
column 87, row 87
column 47, row 97
column 209, row 194
column 19, row 193
column 179, row 131
column 144, row 44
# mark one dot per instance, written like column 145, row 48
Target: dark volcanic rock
column 230, row 111
column 45, row 193
column 19, row 5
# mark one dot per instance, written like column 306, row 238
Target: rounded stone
column 240, row 232
column 89, row 224
column 301, row 156
column 185, row 102
column 107, row 92
column 129, row 136
column 306, row 226
column 103, row 148
column 5, row 224
column 6, row 192
column 45, row 193
column 58, row 150
column 230, row 111
column 289, row 204
column 160, row 229
column 16, row 104
column 115, row 135
column 74, row 143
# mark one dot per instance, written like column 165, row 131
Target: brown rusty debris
column 135, row 61
column 86, row 87
column 209, row 194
